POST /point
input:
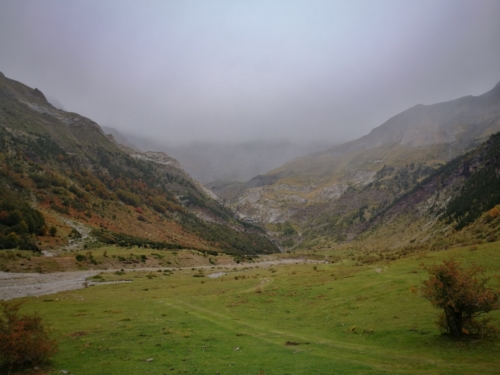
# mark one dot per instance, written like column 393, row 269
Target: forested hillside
column 58, row 169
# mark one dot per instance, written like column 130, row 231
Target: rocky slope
column 335, row 193
column 62, row 166
column 459, row 203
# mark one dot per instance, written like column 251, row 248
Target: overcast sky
column 241, row 70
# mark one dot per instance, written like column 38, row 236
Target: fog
column 236, row 71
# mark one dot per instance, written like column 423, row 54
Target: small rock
column 149, row 360
column 65, row 372
column 36, row 368
column 237, row 348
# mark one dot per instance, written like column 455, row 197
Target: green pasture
column 289, row 319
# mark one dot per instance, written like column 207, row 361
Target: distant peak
column 2, row 75
column 37, row 93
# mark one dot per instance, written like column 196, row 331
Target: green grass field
column 289, row 319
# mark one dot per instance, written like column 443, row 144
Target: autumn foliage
column 24, row 339
column 494, row 212
column 462, row 294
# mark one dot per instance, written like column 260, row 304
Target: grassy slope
column 193, row 325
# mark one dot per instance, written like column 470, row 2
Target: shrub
column 494, row 212
column 129, row 197
column 75, row 234
column 43, row 231
column 53, row 231
column 463, row 296
column 23, row 338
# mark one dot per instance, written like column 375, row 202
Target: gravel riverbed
column 18, row 285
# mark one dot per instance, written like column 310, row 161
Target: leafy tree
column 23, row 338
column 462, row 294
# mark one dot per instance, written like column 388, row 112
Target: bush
column 463, row 296
column 494, row 212
column 23, row 338
column 53, row 231
column 129, row 197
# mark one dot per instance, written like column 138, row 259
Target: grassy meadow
column 336, row 318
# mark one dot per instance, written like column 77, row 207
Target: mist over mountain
column 335, row 193
column 235, row 72
column 120, row 138
column 212, row 161
column 56, row 103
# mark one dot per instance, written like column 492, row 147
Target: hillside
column 335, row 193
column 456, row 205
column 64, row 184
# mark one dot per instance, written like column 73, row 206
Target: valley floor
column 19, row 285
column 285, row 318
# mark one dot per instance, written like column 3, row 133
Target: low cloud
column 238, row 71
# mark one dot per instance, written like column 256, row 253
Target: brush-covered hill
column 64, row 183
column 335, row 193
column 455, row 206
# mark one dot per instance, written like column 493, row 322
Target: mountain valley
column 145, row 269
column 336, row 195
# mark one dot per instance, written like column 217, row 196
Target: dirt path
column 18, row 285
